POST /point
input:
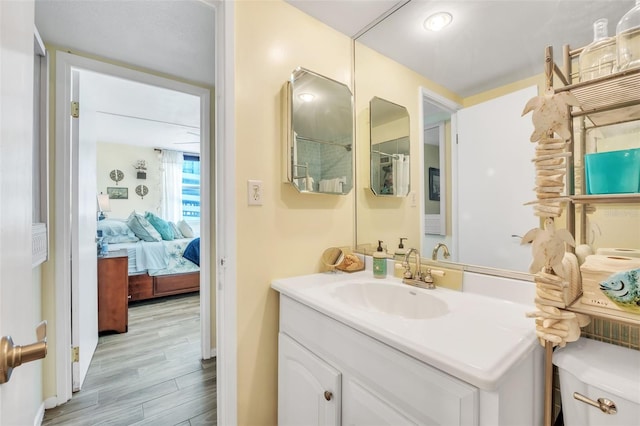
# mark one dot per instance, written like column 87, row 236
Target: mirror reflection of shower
column 390, row 153
column 320, row 134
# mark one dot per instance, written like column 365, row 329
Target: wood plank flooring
column 151, row 375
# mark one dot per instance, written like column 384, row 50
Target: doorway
column 437, row 170
column 66, row 63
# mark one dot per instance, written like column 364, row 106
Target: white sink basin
column 396, row 300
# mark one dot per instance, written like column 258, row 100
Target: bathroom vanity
column 355, row 350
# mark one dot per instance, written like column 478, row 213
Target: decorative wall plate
column 116, row 175
column 142, row 190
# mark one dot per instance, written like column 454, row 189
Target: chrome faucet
column 445, row 251
column 416, row 279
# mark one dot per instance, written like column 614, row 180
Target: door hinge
column 75, row 109
column 75, row 354
column 456, row 139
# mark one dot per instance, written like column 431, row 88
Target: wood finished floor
column 152, row 375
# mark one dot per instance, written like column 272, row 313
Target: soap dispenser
column 379, row 262
column 400, row 251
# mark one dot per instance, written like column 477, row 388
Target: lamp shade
column 103, row 203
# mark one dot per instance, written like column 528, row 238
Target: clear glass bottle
column 628, row 39
column 599, row 57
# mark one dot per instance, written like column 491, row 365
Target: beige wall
column 287, row 235
column 112, row 156
column 387, row 218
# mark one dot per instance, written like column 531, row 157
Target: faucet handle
column 407, row 270
column 428, row 278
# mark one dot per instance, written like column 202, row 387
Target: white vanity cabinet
column 308, row 388
column 370, row 383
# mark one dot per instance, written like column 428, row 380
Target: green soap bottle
column 379, row 262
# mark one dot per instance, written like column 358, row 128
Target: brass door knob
column 12, row 356
column 328, row 395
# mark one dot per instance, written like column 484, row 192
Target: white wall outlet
column 254, row 192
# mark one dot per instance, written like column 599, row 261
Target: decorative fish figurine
column 623, row 288
column 550, row 112
column 548, row 247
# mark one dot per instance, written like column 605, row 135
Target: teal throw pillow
column 162, row 226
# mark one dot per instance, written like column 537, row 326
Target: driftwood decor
column 555, row 270
column 553, row 267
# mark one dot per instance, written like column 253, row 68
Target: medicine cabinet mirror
column 319, row 134
column 390, row 154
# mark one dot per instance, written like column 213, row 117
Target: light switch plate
column 254, row 192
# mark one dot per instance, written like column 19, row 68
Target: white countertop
column 478, row 340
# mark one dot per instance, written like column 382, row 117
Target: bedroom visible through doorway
column 134, row 120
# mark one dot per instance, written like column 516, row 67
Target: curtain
column 401, row 175
column 171, row 203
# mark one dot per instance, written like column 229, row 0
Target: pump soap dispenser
column 400, row 251
column 379, row 262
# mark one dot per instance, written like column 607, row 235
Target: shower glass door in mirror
column 320, row 134
column 389, row 148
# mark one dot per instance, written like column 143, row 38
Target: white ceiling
column 489, row 43
column 131, row 113
column 174, row 37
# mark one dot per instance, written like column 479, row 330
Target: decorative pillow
column 116, row 231
column 185, row 229
column 142, row 228
column 176, row 232
column 162, row 226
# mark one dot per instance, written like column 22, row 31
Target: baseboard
column 51, row 402
column 37, row 421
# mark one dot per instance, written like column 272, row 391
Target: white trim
column 62, row 206
column 451, row 106
column 226, row 336
column 65, row 62
column 37, row 420
column 205, row 222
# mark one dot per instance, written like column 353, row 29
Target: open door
column 493, row 144
column 84, row 281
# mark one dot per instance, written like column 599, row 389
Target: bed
column 156, row 268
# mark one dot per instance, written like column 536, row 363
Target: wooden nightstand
column 113, row 292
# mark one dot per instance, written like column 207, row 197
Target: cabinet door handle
column 328, row 395
column 605, row 405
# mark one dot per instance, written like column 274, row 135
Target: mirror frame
column 291, row 172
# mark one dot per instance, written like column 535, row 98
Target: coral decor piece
column 554, row 269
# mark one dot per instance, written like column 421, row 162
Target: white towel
column 333, row 185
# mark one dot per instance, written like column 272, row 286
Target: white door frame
column 226, row 336
column 65, row 62
column 453, row 107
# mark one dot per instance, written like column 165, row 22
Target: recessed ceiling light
column 438, row 21
column 306, row 97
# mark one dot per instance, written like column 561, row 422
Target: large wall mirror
column 319, row 153
column 390, row 148
column 389, row 57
